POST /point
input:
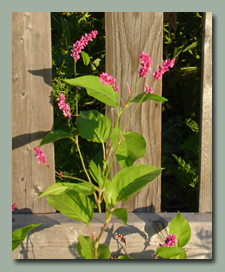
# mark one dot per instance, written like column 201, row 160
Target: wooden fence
column 127, row 35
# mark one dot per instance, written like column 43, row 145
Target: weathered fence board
column 205, row 158
column 127, row 35
column 32, row 110
column 56, row 237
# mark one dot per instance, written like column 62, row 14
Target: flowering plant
column 73, row 199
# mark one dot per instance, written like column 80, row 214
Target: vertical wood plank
column 32, row 110
column 205, row 163
column 127, row 35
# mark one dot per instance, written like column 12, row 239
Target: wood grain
column 127, row 35
column 205, row 158
column 32, row 110
column 57, row 236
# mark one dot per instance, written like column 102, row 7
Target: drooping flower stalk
column 40, row 155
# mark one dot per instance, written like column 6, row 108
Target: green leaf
column 85, row 57
column 19, row 235
column 54, row 136
column 121, row 214
column 96, row 164
column 72, row 204
column 132, row 179
column 59, row 188
column 111, row 193
column 96, row 89
column 131, row 148
column 147, row 97
column 181, row 228
column 169, row 252
column 194, row 44
column 103, row 251
column 94, row 126
column 85, row 248
column 95, row 168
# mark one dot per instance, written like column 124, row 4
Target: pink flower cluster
column 164, row 68
column 148, row 90
column 63, row 106
column 79, row 45
column 40, row 155
column 14, row 206
column 169, row 242
column 145, row 63
column 109, row 80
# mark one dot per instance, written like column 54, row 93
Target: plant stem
column 91, row 232
column 107, row 173
column 130, row 96
column 81, row 157
column 103, row 148
column 103, row 229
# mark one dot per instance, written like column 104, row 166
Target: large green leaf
column 131, row 148
column 169, row 252
column 132, row 179
column 54, row 136
column 59, row 188
column 94, row 126
column 96, row 89
column 181, row 228
column 121, row 214
column 72, row 204
column 147, row 97
column 85, row 248
column 19, row 235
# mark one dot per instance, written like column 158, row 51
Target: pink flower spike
column 145, row 63
column 61, row 174
column 40, row 155
column 164, row 68
column 79, row 45
column 153, row 255
column 14, row 206
column 108, row 80
column 65, row 108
